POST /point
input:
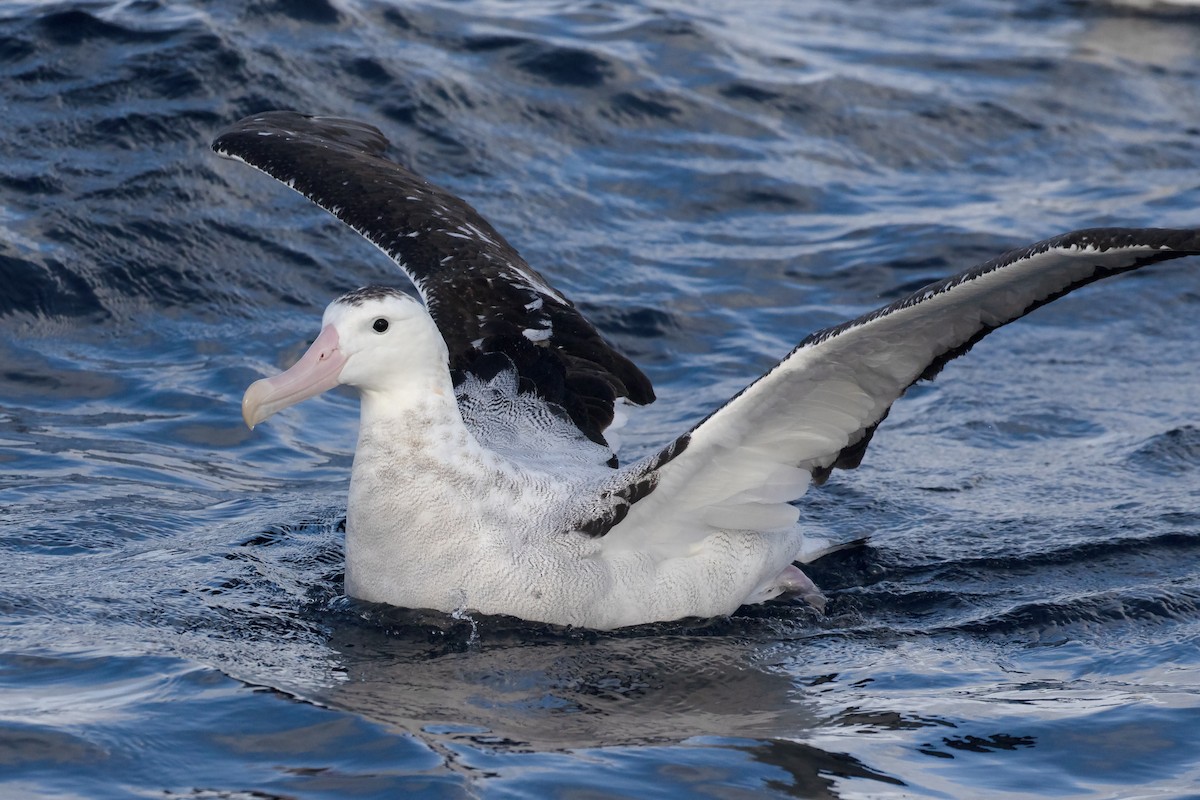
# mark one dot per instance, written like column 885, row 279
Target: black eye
column 380, row 325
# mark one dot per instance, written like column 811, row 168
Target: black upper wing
column 491, row 307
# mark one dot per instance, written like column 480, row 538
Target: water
column 710, row 185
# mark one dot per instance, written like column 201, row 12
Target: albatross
column 485, row 475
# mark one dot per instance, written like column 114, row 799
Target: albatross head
column 374, row 339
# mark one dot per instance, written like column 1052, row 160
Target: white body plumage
column 438, row 519
column 477, row 491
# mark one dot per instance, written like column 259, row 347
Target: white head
column 376, row 339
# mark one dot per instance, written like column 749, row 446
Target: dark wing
column 817, row 408
column 490, row 306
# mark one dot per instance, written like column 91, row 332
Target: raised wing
column 818, row 407
column 490, row 306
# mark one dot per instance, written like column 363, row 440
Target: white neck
column 430, row 394
column 403, row 527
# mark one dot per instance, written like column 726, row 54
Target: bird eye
column 380, row 325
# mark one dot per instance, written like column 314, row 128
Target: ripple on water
column 710, row 185
column 120, row 723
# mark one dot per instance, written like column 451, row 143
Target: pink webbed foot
column 791, row 581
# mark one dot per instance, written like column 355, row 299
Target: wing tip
column 331, row 131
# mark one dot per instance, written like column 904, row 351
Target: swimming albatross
column 483, row 478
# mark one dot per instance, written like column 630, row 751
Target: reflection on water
column 556, row 691
column 483, row 688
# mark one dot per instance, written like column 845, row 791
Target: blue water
column 710, row 182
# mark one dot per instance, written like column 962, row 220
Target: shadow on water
column 551, row 688
column 474, row 685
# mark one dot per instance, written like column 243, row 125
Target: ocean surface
column 710, row 182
